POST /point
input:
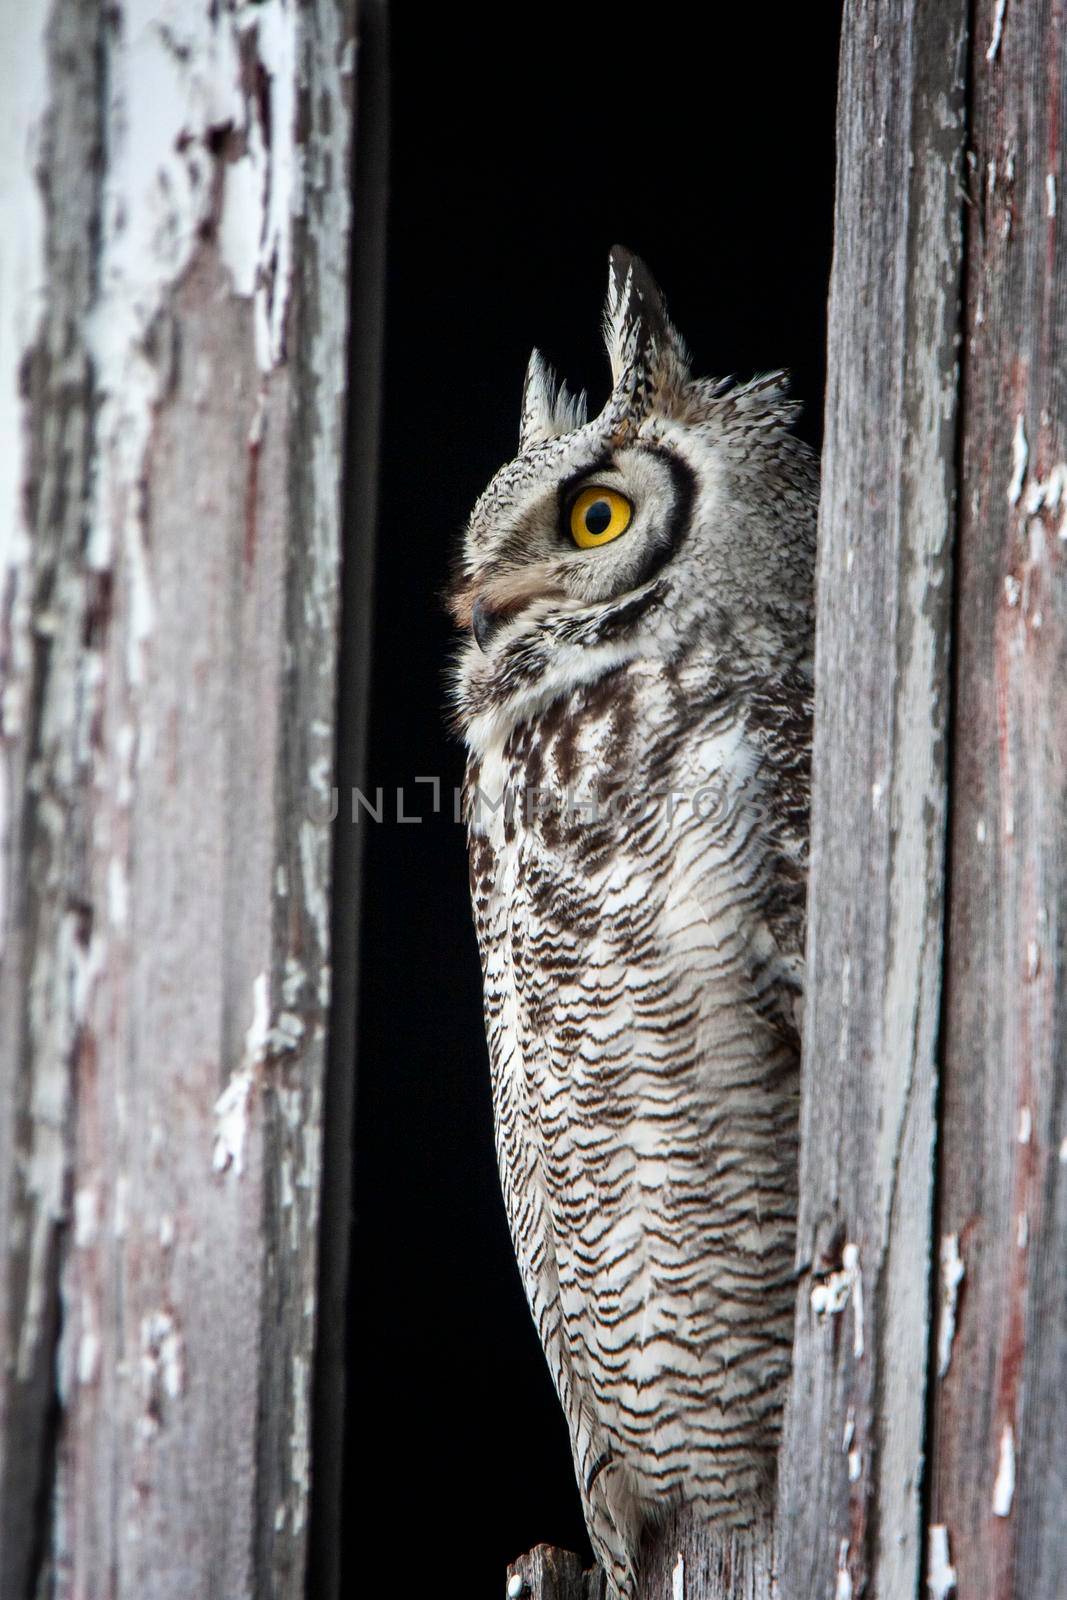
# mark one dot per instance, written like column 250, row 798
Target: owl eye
column 599, row 515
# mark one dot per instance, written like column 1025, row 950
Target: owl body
column 638, row 727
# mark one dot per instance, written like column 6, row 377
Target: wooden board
column 168, row 633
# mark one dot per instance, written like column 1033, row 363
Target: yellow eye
column 598, row 516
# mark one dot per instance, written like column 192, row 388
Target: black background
column 525, row 142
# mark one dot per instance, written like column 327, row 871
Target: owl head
column 680, row 519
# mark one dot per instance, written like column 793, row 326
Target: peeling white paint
column 678, row 1579
column 162, row 1367
column 166, row 1231
column 850, row 1429
column 1022, row 1230
column 998, row 31
column 1004, row 1487
column 1026, row 1124
column 1012, row 590
column 855, row 1466
column 299, row 1458
column 515, row 1586
column 831, row 1294
column 172, row 82
column 1050, row 194
column 953, row 1272
column 940, row 1573
column 1020, row 455
column 1063, row 1152
column 279, row 1517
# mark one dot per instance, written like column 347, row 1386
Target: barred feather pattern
column 638, row 723
column 640, row 977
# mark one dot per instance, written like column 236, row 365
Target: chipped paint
column 231, row 1123
column 515, row 1586
column 1050, row 194
column 855, row 1466
column 678, row 1579
column 843, row 1587
column 1022, row 1230
column 830, row 1295
column 953, row 1272
column 1020, row 455
column 998, row 32
column 940, row 1573
column 850, row 1429
column 299, row 1454
column 1004, row 1487
column 1026, row 1124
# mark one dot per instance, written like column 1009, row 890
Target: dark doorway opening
column 515, row 164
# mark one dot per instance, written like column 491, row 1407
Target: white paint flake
column 1012, row 590
column 1020, row 455
column 831, row 1294
column 940, row 1573
column 1022, row 1230
column 166, row 1231
column 1026, row 1124
column 843, row 1587
column 851, row 1260
column 1063, row 1152
column 1004, row 1487
column 231, row 1123
column 1050, row 194
column 998, row 31
column 299, row 1455
column 850, row 1429
column 678, row 1579
column 89, row 1343
column 162, row 1367
column 86, row 1218
column 855, row 1466
column 515, row 1586
column 952, row 1275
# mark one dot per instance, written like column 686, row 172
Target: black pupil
column 598, row 517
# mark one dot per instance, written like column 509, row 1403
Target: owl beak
column 484, row 623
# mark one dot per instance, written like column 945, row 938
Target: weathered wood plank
column 546, row 1573
column 1000, row 1409
column 168, row 622
column 850, row 1487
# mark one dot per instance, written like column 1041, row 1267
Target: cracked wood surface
column 173, row 361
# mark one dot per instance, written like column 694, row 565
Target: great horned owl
column 635, row 693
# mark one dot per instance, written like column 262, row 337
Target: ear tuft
column 548, row 407
column 649, row 360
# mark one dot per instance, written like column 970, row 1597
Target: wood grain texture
column 999, row 1479
column 546, row 1573
column 169, row 636
column 851, row 1469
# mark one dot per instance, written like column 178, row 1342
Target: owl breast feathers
column 635, row 693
